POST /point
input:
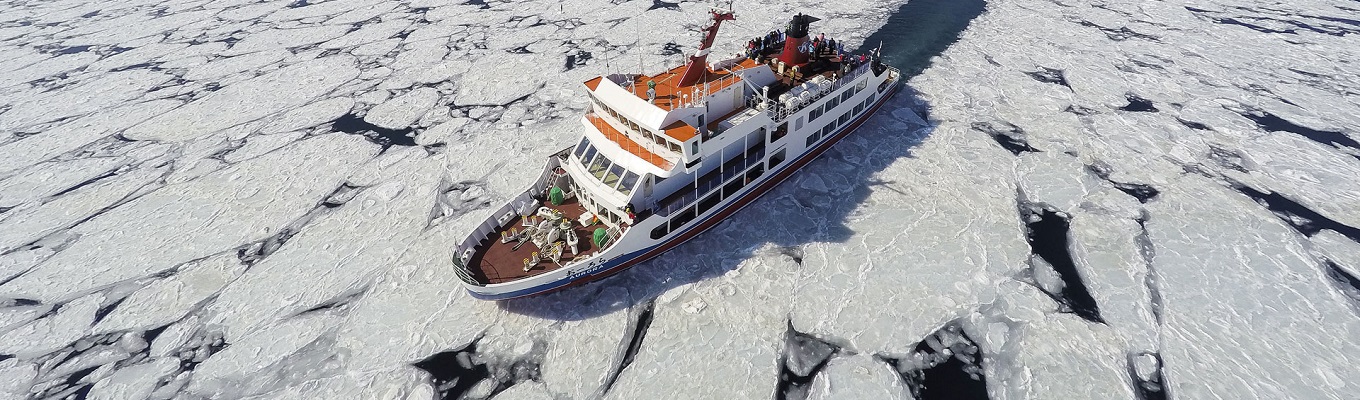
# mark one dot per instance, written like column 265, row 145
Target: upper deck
column 671, row 95
column 640, row 150
column 659, row 126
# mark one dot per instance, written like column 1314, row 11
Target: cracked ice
column 1074, row 199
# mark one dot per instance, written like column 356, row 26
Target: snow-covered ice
column 1073, row 199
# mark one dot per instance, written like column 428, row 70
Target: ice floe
column 1072, row 200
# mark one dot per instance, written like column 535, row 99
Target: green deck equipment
column 601, row 237
column 556, row 196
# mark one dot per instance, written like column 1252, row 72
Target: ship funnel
column 794, row 37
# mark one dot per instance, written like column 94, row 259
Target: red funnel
column 794, row 37
column 791, row 55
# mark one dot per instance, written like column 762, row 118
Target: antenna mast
column 698, row 63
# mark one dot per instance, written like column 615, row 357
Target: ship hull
column 609, row 263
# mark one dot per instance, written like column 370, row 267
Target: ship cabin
column 659, row 151
column 655, row 146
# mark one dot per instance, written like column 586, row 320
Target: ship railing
column 676, row 204
column 731, row 169
column 779, row 111
column 698, row 94
column 464, row 273
column 640, row 140
column 521, row 205
column 499, row 219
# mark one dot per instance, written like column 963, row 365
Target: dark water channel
column 921, row 30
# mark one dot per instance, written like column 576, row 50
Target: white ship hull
column 636, row 243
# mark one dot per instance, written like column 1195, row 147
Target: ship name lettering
column 594, row 266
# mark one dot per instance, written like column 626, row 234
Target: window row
column 844, row 118
column 832, row 102
column 680, row 219
column 628, row 123
column 612, row 175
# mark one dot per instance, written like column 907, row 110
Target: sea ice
column 135, row 381
column 170, row 299
column 483, row 89
column 46, row 179
column 26, row 225
column 70, row 136
column 248, row 365
column 281, row 89
column 858, row 377
column 719, row 351
column 219, row 209
column 53, row 331
column 1246, row 313
column 348, row 252
column 170, row 175
column 401, row 111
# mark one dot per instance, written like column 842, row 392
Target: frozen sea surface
column 1073, row 200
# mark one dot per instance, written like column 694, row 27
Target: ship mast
column 698, row 63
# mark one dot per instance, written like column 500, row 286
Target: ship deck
column 628, row 144
column 669, row 93
column 495, row 262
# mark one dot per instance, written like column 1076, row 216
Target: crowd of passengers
column 820, row 48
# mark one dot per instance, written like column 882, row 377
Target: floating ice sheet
column 249, row 241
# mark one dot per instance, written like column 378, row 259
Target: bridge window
column 589, row 153
column 581, row 147
column 612, row 177
column 629, row 181
column 599, row 166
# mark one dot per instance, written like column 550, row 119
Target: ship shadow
column 814, row 205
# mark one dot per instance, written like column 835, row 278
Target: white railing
column 778, row 111
column 636, row 136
